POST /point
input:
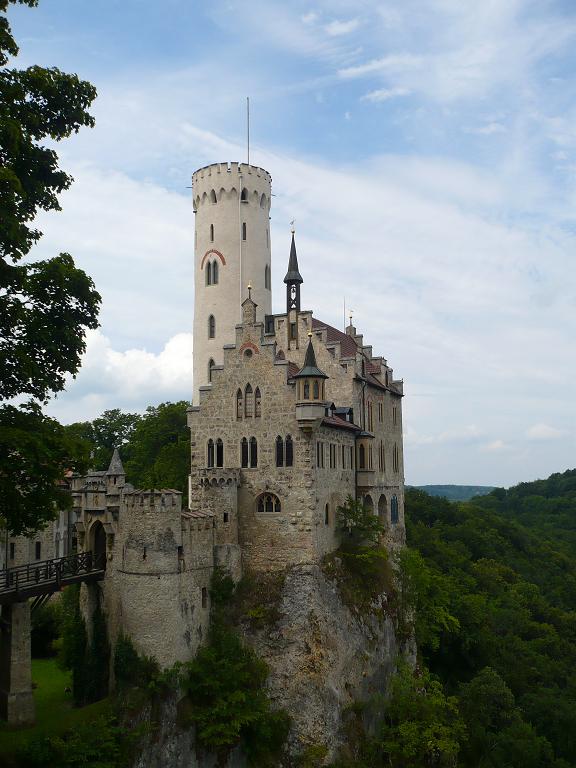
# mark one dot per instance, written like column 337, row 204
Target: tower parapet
column 231, row 249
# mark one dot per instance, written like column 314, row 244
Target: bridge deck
column 47, row 576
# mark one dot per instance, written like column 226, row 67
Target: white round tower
column 231, row 249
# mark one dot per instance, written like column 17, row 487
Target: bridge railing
column 22, row 577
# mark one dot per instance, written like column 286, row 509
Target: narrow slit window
column 239, row 404
column 210, row 461
column 289, row 451
column 211, row 233
column 243, row 230
column 219, row 453
column 253, row 452
column 279, row 452
column 257, row 403
column 214, row 273
column 211, row 327
column 244, row 453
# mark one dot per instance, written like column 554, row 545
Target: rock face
column 322, row 658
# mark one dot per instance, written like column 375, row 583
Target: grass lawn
column 54, row 711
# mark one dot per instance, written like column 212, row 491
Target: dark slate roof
column 310, row 368
column 293, row 275
column 115, row 467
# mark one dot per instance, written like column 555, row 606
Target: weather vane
column 292, row 226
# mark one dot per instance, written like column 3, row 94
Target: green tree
column 113, row 429
column 45, row 306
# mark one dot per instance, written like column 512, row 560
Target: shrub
column 131, row 669
column 45, row 630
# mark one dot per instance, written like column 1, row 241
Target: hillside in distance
column 455, row 492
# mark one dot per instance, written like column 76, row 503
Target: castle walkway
column 22, row 589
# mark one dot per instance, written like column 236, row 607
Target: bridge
column 22, row 589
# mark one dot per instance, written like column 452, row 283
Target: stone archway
column 98, row 544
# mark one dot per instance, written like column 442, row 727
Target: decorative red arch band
column 212, row 250
column 248, row 345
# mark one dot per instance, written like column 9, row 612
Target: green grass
column 54, row 711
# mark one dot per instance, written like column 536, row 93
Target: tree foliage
column 45, row 306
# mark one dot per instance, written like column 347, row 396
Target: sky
column 427, row 152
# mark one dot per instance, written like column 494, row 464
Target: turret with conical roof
column 310, row 397
column 115, row 474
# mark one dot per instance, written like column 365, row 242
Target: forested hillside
column 455, row 492
column 495, row 590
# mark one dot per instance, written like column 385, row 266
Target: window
column 144, row 553
column 243, row 230
column 370, row 419
column 289, row 451
column 239, row 404
column 209, row 273
column 244, row 195
column 211, row 233
column 253, row 452
column 214, row 273
column 395, row 415
column 244, row 453
column 38, row 550
column 368, row 503
column 210, row 453
column 395, row 459
column 257, row 403
column 326, row 515
column 213, row 197
column 316, row 391
column 381, row 458
column 211, row 327
column 362, row 457
column 248, row 403
column 219, row 453
column 320, row 455
column 394, row 510
column 333, row 455
column 382, row 506
column 370, row 464
column 279, row 452
column 267, row 238
column 12, row 550
column 204, row 597
column 211, row 365
column 225, row 517
column 267, row 277
column 380, row 412
column 268, row 502
column 351, row 457
column 306, row 390
column 293, row 333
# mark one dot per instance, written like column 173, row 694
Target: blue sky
column 426, row 149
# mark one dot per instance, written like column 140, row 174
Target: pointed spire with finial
column 115, row 467
column 310, row 367
column 293, row 279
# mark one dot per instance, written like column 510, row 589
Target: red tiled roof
column 333, row 335
column 334, row 421
column 190, row 515
column 293, row 369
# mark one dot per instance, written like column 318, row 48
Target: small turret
column 115, row 475
column 310, row 395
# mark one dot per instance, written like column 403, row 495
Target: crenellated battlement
column 153, row 500
column 221, row 182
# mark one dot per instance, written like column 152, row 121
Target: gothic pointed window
column 211, row 233
column 279, row 452
column 244, row 195
column 253, row 452
column 209, row 273
column 248, row 402
column 213, row 197
column 306, row 390
column 394, row 510
column 211, row 365
column 219, row 453
column 289, row 451
column 257, row 403
column 210, row 453
column 214, row 272
column 268, row 502
column 316, row 391
column 244, row 452
column 211, row 327
column 239, row 404
column 362, row 457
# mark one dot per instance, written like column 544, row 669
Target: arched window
column 239, row 407
column 244, row 452
column 268, row 502
column 211, row 365
column 368, row 503
column 213, row 196
column 394, row 509
column 362, row 457
column 219, row 453
column 214, row 273
column 211, row 233
column 327, row 515
column 243, row 230
column 211, row 327
column 209, row 273
column 316, row 391
column 279, row 452
column 248, row 401
column 267, row 277
column 257, row 403
column 306, row 390
column 263, row 201
column 253, row 452
column 244, row 195
column 289, row 451
column 210, row 452
column 382, row 509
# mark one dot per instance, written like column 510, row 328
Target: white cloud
column 385, row 94
column 496, row 446
column 544, row 432
column 393, row 64
column 309, row 18
column 489, row 129
column 337, row 28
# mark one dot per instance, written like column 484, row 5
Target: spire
column 293, row 275
column 115, row 467
column 310, row 368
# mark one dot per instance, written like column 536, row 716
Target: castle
column 290, row 416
